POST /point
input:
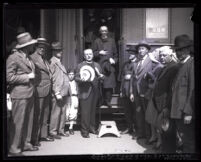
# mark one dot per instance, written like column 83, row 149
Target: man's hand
column 127, row 76
column 187, row 119
column 112, row 61
column 132, row 97
column 121, row 94
column 59, row 97
column 103, row 52
column 31, row 75
column 9, row 103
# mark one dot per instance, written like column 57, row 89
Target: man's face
column 71, row 76
column 164, row 57
column 142, row 51
column 182, row 53
column 88, row 55
column 41, row 49
column 31, row 48
column 104, row 31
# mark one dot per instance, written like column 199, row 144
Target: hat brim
column 144, row 45
column 47, row 44
column 181, row 47
column 33, row 41
column 56, row 48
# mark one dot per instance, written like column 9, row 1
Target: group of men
column 40, row 90
column 159, row 96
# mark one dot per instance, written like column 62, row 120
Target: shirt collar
column 57, row 59
column 186, row 59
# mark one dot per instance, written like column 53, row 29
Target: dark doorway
column 29, row 19
column 93, row 19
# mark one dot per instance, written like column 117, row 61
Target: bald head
column 88, row 54
column 165, row 54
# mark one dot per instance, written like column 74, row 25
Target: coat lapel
column 58, row 63
column 25, row 64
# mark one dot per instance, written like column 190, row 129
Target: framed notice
column 157, row 25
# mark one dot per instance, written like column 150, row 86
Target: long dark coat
column 109, row 72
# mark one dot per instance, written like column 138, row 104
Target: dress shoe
column 108, row 104
column 93, row 131
column 125, row 131
column 157, row 146
column 55, row 136
column 71, row 131
column 85, row 135
column 37, row 144
column 15, row 154
column 47, row 139
column 33, row 148
column 64, row 134
column 151, row 141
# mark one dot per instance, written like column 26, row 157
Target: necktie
column 139, row 66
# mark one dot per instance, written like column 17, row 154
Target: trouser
column 169, row 138
column 129, row 109
column 88, row 112
column 107, row 94
column 21, row 124
column 187, row 134
column 58, row 115
column 143, row 128
column 41, row 114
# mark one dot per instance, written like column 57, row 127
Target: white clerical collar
column 88, row 62
column 186, row 59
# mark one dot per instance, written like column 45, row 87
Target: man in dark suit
column 60, row 92
column 182, row 107
column 88, row 93
column 140, row 92
column 125, row 94
column 162, row 102
column 42, row 95
column 20, row 77
column 105, row 51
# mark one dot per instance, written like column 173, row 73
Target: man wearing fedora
column 43, row 93
column 140, row 92
column 88, row 93
column 20, row 77
column 182, row 106
column 60, row 92
column 105, row 53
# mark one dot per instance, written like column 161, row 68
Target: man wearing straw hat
column 60, row 92
column 42, row 95
column 20, row 77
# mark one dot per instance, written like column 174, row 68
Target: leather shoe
column 55, row 136
column 64, row 134
column 33, row 148
column 85, row 135
column 125, row 131
column 93, row 131
column 47, row 139
column 15, row 154
column 37, row 144
column 71, row 131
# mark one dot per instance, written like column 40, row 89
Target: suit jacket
column 17, row 70
column 110, row 46
column 43, row 80
column 139, row 83
column 183, row 91
column 85, row 88
column 60, row 81
column 125, row 84
column 162, row 92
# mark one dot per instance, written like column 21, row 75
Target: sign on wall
column 157, row 24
